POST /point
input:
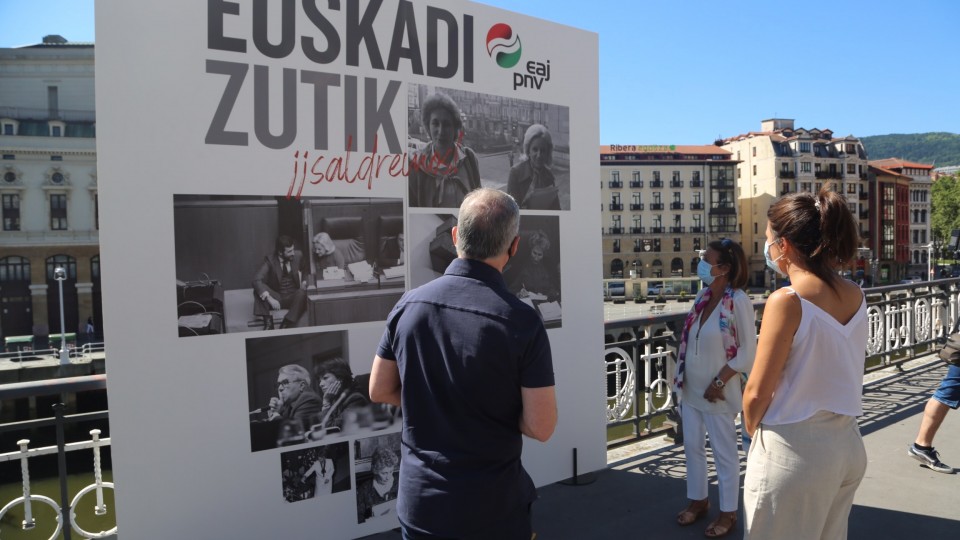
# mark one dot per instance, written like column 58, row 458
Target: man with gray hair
column 294, row 399
column 470, row 365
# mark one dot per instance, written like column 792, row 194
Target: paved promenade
column 642, row 489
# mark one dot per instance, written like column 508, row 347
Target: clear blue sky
column 688, row 71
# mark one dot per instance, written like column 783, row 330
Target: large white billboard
column 233, row 131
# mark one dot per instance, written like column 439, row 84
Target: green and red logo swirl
column 503, row 45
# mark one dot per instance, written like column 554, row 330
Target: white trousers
column 723, row 440
column 801, row 478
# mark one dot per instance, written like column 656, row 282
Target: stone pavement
column 642, row 489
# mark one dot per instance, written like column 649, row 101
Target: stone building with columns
column 48, row 188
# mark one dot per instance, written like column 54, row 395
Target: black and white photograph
column 302, row 388
column 247, row 263
column 377, row 466
column 460, row 140
column 315, row 472
column 533, row 274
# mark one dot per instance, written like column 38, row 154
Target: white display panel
column 221, row 128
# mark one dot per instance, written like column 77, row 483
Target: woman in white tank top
column 804, row 394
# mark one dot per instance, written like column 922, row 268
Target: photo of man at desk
column 302, row 389
column 254, row 263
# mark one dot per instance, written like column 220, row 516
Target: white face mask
column 703, row 272
column 772, row 263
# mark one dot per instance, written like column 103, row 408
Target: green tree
column 945, row 203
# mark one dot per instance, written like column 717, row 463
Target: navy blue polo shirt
column 464, row 346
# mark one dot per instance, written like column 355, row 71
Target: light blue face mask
column 772, row 263
column 703, row 272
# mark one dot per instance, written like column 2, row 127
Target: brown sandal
column 725, row 523
column 694, row 511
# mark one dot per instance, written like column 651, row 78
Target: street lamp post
column 60, row 274
column 929, row 261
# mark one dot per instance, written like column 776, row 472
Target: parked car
column 656, row 290
column 911, row 280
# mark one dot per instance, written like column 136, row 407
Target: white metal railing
column 905, row 321
column 28, row 499
column 65, row 508
column 28, row 353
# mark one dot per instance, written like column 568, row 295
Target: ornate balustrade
column 904, row 321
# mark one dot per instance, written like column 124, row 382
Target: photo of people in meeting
column 302, row 388
column 315, row 472
column 247, row 263
column 533, row 274
column 377, row 468
column 460, row 140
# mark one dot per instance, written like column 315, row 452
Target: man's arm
column 385, row 381
column 539, row 417
column 259, row 287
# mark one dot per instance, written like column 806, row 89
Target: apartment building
column 48, row 187
column 781, row 159
column 661, row 205
column 890, row 225
column 921, row 182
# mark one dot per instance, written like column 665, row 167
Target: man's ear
column 453, row 235
column 514, row 246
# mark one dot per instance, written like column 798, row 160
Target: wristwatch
column 718, row 382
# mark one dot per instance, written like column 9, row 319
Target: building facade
column 781, row 159
column 889, row 225
column 661, row 205
column 921, row 236
column 48, row 187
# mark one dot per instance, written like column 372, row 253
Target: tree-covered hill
column 939, row 149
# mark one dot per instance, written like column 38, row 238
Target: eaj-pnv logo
column 503, row 45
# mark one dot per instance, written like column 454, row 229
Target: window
column 805, row 166
column 805, row 186
column 852, row 189
column 58, row 211
column 615, row 220
column 56, row 131
column 615, row 198
column 615, row 176
column 8, row 129
column 805, row 147
column 754, row 170
column 11, row 212
column 784, row 167
column 696, row 244
column 676, row 244
column 616, row 245
column 851, row 168
column 53, row 102
column 754, row 151
column 755, row 228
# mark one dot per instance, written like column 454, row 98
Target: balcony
column 615, row 230
column 636, row 206
column 787, row 175
column 676, row 206
column 615, row 184
column 721, row 184
column 723, row 208
column 656, row 206
column 616, row 249
column 656, row 183
column 865, row 214
column 636, row 183
column 696, row 206
column 863, row 196
column 825, row 175
column 656, row 230
column 636, row 230
column 676, row 183
column 784, row 192
column 616, row 207
column 677, row 230
column 696, row 183
column 697, row 229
